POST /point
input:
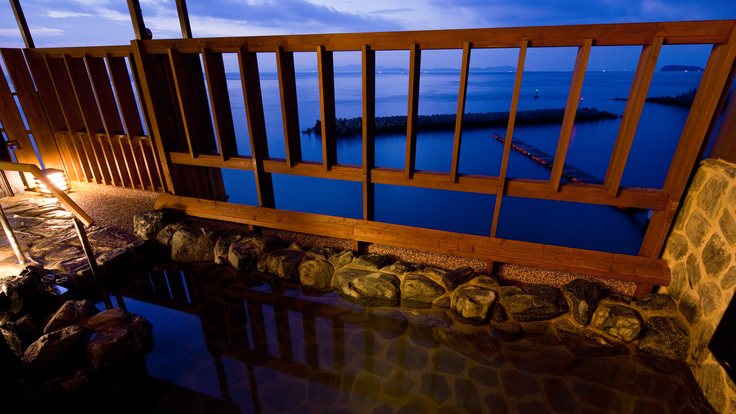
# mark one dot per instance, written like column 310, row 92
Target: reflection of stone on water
column 257, row 344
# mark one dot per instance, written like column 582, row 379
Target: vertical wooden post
column 222, row 116
column 632, row 113
column 724, row 146
column 412, row 117
column 251, row 83
column 136, row 17
column 699, row 122
column 327, row 107
column 507, row 144
column 369, row 126
column 181, row 9
column 460, row 112
column 570, row 111
column 22, row 24
column 289, row 106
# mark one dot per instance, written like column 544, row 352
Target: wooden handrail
column 65, row 200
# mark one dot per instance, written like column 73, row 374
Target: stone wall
column 700, row 252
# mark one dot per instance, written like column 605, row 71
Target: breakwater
column 683, row 99
column 388, row 124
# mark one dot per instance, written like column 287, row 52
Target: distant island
column 681, row 68
column 683, row 99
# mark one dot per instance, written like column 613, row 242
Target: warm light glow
column 57, row 178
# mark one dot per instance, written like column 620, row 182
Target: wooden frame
column 192, row 149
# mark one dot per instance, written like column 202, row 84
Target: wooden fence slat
column 289, row 106
column 14, row 127
column 72, row 119
column 84, row 96
column 33, row 110
column 195, row 111
column 327, row 106
column 368, row 57
column 222, row 115
column 131, row 123
column 632, row 113
column 412, row 117
column 581, row 62
column 509, row 137
column 103, row 93
column 108, row 110
column 461, row 97
column 159, row 172
column 251, row 84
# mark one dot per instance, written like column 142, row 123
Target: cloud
column 294, row 16
column 64, row 13
column 392, row 11
column 40, row 31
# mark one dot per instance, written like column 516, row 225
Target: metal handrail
column 65, row 200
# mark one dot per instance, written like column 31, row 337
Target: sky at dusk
column 55, row 23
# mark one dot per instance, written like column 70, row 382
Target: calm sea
column 562, row 223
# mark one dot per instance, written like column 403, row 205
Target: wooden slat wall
column 13, row 125
column 161, row 100
column 111, row 124
column 193, row 148
column 76, row 123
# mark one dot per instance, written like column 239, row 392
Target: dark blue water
column 562, row 223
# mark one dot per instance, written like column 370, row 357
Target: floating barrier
column 568, row 171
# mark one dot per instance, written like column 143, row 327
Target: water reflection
column 229, row 342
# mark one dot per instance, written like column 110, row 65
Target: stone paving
column 46, row 235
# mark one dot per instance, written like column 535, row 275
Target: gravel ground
column 116, row 206
column 112, row 206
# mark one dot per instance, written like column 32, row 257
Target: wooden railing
column 192, row 146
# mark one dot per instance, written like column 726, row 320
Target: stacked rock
column 581, row 315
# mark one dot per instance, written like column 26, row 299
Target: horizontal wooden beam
column 80, row 52
column 642, row 198
column 609, row 265
column 624, row 34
